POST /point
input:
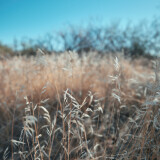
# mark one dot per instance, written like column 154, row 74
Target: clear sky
column 34, row 18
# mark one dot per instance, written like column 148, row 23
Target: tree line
column 133, row 40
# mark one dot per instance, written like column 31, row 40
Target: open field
column 70, row 107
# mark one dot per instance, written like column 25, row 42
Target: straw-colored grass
column 70, row 107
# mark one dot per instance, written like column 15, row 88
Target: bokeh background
column 105, row 26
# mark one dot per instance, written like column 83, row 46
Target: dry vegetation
column 66, row 107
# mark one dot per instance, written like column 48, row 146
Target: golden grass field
column 88, row 107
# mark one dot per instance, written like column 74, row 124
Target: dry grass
column 66, row 107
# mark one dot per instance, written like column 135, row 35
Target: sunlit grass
column 88, row 107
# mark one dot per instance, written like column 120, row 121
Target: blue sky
column 34, row 18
